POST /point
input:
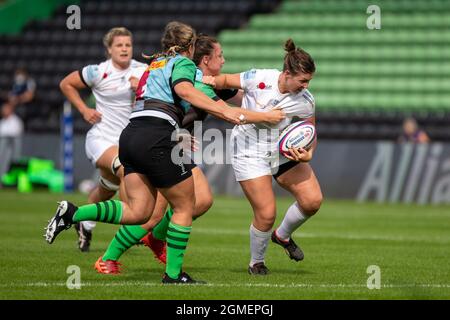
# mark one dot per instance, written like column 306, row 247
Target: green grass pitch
column 409, row 243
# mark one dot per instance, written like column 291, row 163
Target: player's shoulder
column 104, row 65
column 306, row 97
column 137, row 68
column 198, row 75
column 268, row 72
column 183, row 61
column 93, row 73
column 97, row 68
column 137, row 64
column 260, row 74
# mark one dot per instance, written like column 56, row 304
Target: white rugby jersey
column 113, row 94
column 261, row 94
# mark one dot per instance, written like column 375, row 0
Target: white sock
column 292, row 220
column 89, row 225
column 258, row 244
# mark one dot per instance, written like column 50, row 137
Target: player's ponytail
column 289, row 45
column 297, row 60
column 178, row 37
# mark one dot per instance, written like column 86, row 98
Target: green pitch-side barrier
column 28, row 173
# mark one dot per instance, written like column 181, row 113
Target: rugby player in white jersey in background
column 255, row 157
column 112, row 83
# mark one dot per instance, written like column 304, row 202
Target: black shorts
column 145, row 147
column 285, row 167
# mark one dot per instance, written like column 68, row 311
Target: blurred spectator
column 13, row 112
column 412, row 132
column 22, row 93
column 11, row 131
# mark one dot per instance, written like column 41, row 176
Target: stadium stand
column 50, row 51
column 367, row 81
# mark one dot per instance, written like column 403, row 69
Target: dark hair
column 204, row 46
column 297, row 60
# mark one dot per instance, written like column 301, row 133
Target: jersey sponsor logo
column 157, row 65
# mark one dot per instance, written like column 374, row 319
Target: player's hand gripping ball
column 297, row 135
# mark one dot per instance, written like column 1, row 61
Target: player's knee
column 203, row 205
column 140, row 216
column 266, row 219
column 142, row 219
column 311, row 205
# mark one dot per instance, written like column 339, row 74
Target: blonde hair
column 178, row 37
column 108, row 38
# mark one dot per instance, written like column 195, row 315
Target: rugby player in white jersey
column 112, row 83
column 255, row 157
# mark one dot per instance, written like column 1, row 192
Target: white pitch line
column 344, row 236
column 229, row 285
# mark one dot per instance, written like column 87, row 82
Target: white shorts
column 252, row 158
column 96, row 144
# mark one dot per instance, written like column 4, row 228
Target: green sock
column 160, row 230
column 108, row 211
column 125, row 238
column 177, row 238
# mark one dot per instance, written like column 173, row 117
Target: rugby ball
column 297, row 135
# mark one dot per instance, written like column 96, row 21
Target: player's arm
column 183, row 78
column 224, row 81
column 186, row 91
column 70, row 87
column 302, row 155
column 246, row 116
column 272, row 116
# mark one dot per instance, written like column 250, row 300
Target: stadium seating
column 50, row 51
column 365, row 78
